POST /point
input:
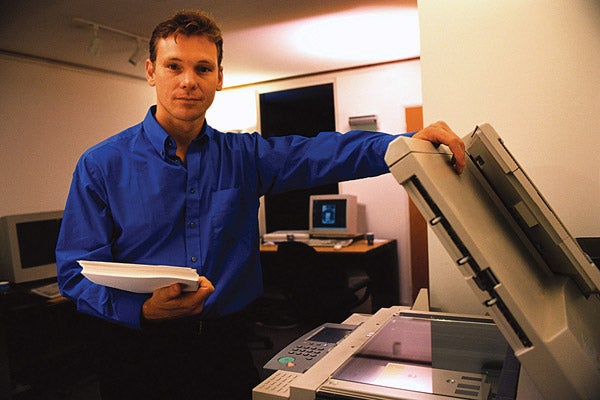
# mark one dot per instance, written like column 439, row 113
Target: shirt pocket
column 230, row 216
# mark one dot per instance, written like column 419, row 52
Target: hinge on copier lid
column 487, row 281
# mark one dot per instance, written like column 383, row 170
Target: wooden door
column 419, row 260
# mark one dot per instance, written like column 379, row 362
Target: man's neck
column 183, row 132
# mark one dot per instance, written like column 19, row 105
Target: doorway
column 304, row 111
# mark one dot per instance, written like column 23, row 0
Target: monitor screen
column 329, row 214
column 37, row 242
column 335, row 216
column 27, row 246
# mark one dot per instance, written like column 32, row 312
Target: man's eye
column 173, row 67
column 203, row 70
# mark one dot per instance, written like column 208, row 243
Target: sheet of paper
column 138, row 278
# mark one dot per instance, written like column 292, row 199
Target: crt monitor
column 27, row 245
column 334, row 216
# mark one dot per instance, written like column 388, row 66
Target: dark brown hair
column 188, row 23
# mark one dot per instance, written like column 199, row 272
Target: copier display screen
column 330, row 335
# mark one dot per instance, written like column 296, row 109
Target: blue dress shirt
column 132, row 200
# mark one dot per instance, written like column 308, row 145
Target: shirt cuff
column 128, row 307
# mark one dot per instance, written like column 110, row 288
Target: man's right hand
column 171, row 302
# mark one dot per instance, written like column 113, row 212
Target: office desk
column 378, row 261
column 359, row 246
column 45, row 345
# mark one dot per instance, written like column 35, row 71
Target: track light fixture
column 138, row 54
column 94, row 46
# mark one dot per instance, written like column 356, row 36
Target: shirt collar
column 161, row 141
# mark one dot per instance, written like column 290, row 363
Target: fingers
column 205, row 286
column 440, row 133
column 172, row 291
column 457, row 147
column 171, row 302
column 195, row 300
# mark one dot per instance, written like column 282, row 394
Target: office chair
column 315, row 292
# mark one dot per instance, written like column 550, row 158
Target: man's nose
column 188, row 79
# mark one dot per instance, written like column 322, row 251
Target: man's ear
column 220, row 83
column 150, row 72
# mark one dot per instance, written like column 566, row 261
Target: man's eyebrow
column 198, row 62
column 173, row 59
column 206, row 62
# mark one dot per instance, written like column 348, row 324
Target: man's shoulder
column 120, row 139
column 233, row 135
column 233, row 138
column 115, row 144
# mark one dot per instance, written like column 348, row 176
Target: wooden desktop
column 378, row 261
column 358, row 246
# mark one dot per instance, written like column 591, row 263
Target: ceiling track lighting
column 138, row 54
column 94, row 47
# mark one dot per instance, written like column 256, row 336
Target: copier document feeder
column 539, row 286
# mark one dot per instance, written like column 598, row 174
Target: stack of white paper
column 138, row 278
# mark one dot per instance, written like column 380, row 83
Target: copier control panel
column 308, row 349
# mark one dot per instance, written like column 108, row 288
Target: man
column 174, row 191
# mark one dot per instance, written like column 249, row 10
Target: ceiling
column 263, row 39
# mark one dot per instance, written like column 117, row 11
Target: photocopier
column 540, row 289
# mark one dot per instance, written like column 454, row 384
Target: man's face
column 186, row 76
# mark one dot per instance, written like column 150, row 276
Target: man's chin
column 189, row 115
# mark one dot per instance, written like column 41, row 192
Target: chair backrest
column 318, row 292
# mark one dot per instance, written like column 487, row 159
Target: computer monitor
column 515, row 254
column 27, row 246
column 334, row 216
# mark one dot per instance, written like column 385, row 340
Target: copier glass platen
column 516, row 255
column 423, row 355
column 398, row 353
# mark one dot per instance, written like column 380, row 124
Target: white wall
column 384, row 91
column 532, row 70
column 50, row 114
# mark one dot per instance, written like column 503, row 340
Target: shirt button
column 192, row 224
column 192, row 190
column 194, row 259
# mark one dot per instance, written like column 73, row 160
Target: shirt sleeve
column 86, row 234
column 296, row 162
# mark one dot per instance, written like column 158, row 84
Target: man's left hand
column 440, row 133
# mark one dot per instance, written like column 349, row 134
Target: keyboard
column 329, row 242
column 50, row 290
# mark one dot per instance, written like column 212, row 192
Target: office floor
column 87, row 388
